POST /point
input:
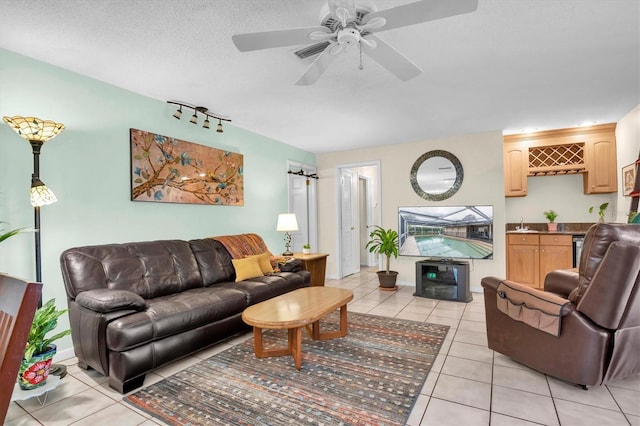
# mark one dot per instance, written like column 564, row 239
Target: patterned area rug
column 372, row 376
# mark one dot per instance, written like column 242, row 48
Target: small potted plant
column 306, row 249
column 551, row 217
column 385, row 242
column 39, row 352
column 602, row 209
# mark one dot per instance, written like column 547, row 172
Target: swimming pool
column 442, row 246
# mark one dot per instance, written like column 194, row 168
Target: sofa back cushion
column 213, row 260
column 150, row 269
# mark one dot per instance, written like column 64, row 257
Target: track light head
column 194, row 118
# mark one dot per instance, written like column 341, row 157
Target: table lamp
column 287, row 222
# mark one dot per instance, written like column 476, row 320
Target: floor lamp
column 37, row 132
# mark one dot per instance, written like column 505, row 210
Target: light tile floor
column 469, row 384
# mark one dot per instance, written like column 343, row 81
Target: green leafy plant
column 307, row 246
column 601, row 210
column 44, row 321
column 385, row 242
column 550, row 215
column 4, row 235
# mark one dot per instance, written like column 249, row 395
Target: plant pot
column 306, row 251
column 34, row 373
column 552, row 226
column 387, row 281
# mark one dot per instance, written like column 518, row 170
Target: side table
column 316, row 263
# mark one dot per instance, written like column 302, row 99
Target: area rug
column 372, row 376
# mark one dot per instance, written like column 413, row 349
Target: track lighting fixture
column 199, row 110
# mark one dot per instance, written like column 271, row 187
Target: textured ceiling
column 509, row 65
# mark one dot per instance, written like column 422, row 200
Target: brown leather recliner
column 585, row 327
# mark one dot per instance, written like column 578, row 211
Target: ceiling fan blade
column 315, row 70
column 421, row 11
column 277, row 38
column 349, row 5
column 392, row 60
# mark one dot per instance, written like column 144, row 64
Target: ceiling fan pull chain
column 360, row 46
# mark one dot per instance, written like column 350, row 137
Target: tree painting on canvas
column 170, row 170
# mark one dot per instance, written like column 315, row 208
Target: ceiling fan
column 343, row 25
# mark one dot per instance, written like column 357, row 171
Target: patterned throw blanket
column 243, row 245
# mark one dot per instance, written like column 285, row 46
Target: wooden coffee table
column 294, row 311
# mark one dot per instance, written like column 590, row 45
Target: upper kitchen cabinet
column 516, row 158
column 601, row 176
column 588, row 150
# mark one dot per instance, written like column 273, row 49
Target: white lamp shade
column 287, row 222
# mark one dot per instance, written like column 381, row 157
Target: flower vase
column 33, row 373
column 552, row 227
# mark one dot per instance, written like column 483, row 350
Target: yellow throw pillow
column 247, row 268
column 264, row 260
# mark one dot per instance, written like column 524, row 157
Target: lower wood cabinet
column 530, row 257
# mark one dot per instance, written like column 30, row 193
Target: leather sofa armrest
column 562, row 281
column 105, row 300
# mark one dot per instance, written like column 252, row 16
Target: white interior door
column 349, row 232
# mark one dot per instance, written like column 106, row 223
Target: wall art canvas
column 628, row 178
column 170, row 170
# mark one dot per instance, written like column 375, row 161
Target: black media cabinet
column 443, row 279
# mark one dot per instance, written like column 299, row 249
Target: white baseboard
column 64, row 354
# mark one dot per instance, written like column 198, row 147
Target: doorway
column 358, row 209
column 303, row 202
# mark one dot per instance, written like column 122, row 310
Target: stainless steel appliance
column 578, row 240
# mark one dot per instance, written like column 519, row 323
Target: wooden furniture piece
column 316, row 263
column 531, row 256
column 18, row 304
column 587, row 150
column 293, row 311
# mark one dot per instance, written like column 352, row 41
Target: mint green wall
column 87, row 167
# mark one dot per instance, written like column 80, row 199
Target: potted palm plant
column 39, row 352
column 385, row 242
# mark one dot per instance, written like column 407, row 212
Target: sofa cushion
column 174, row 314
column 265, row 287
column 246, row 268
column 214, row 261
column 149, row 269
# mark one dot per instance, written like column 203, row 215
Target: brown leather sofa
column 137, row 306
column 584, row 327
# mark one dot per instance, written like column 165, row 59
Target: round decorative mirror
column 436, row 175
